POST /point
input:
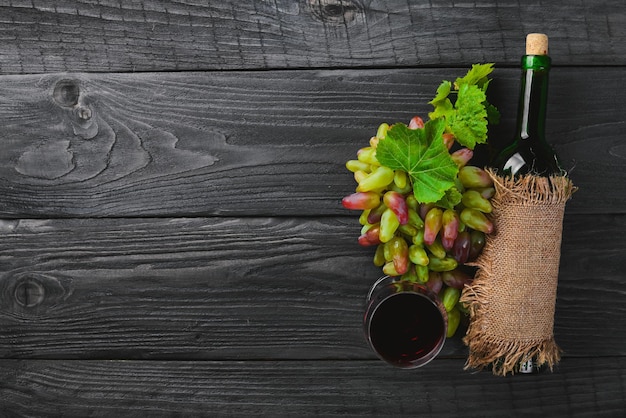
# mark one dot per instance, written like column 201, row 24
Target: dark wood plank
column 221, row 288
column 258, row 143
column 581, row 387
column 158, row 35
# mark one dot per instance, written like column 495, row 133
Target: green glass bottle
column 529, row 152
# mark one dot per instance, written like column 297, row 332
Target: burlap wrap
column 512, row 299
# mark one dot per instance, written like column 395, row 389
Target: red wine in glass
column 405, row 324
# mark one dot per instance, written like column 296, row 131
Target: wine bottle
column 529, row 152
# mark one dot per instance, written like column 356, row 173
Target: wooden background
column 171, row 236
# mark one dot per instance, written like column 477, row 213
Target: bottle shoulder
column 523, row 158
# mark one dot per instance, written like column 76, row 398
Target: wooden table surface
column 172, row 241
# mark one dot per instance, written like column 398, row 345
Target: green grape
column 473, row 199
column 418, row 255
column 377, row 179
column 389, row 223
column 419, row 238
column 363, row 218
column 415, row 220
column 400, row 179
column 356, row 165
column 454, row 319
column 379, row 256
column 450, row 298
column 436, row 248
column 442, row 264
column 367, row 155
column 412, row 202
column 422, row 273
column 389, row 269
column 382, row 131
column 473, row 177
column 410, row 275
column 476, row 220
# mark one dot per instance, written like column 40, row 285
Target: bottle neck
column 531, row 112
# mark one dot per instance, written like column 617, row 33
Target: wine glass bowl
column 405, row 324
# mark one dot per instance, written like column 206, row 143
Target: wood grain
column 258, row 143
column 171, row 236
column 581, row 387
column 113, row 36
column 233, row 288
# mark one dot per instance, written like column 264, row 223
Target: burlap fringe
column 531, row 190
column 504, row 356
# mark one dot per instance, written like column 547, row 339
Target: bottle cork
column 536, row 44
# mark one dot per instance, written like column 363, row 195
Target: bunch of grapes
column 422, row 242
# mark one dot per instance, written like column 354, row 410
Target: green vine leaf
column 468, row 121
column 468, row 116
column 423, row 155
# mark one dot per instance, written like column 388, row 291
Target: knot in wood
column 66, row 93
column 29, row 292
column 335, row 12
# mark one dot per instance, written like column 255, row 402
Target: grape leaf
column 442, row 93
column 468, row 116
column 442, row 104
column 468, row 122
column 423, row 155
column 493, row 115
column 451, row 198
column 477, row 75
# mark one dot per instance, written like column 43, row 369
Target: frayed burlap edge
column 531, row 190
column 504, row 356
